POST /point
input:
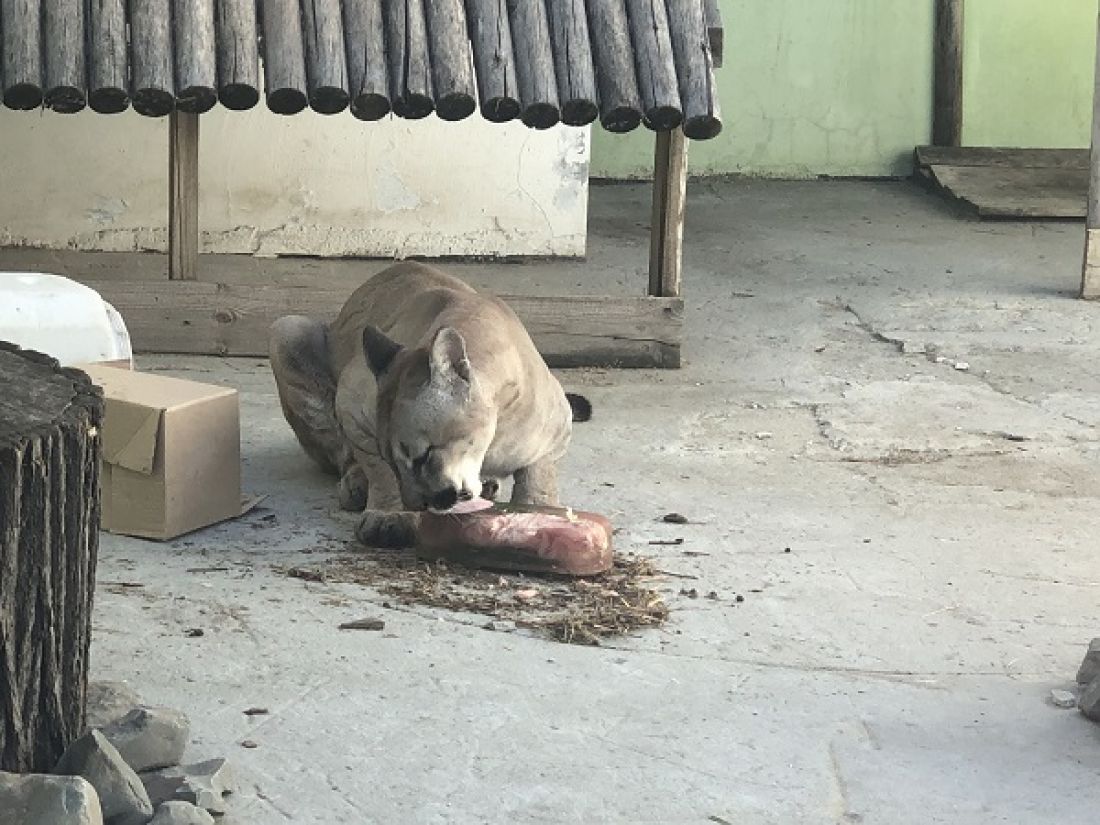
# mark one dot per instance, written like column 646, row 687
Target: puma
column 421, row 394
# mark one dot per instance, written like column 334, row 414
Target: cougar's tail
column 581, row 406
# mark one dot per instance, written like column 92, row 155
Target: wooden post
column 538, row 87
column 238, row 56
column 491, row 36
column 364, row 29
column 654, row 64
column 153, row 87
column 573, row 61
column 196, row 56
column 691, row 43
column 326, row 56
column 108, row 89
column 452, row 71
column 613, row 56
column 947, row 113
column 63, row 25
column 183, row 196
column 666, row 238
column 50, row 421
column 1090, row 272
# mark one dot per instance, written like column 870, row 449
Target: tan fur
column 464, row 378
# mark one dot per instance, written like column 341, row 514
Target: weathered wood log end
column 286, row 101
column 50, row 421
column 238, row 96
column 370, row 106
column 109, row 100
column 65, row 100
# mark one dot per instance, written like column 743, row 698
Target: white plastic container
column 62, row 318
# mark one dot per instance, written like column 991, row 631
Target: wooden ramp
column 1010, row 183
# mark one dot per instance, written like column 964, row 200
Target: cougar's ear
column 379, row 349
column 448, row 355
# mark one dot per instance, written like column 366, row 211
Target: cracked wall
column 306, row 185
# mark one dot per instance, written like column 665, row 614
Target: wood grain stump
column 50, row 420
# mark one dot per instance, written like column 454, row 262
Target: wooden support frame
column 1090, row 270
column 947, row 96
column 666, row 233
column 183, row 196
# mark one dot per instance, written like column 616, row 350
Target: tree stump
column 50, row 421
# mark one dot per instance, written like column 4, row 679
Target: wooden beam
column 202, row 318
column 714, row 30
column 1090, row 272
column 183, row 196
column 666, row 233
column 947, row 112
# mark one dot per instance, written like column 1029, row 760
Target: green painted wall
column 844, row 87
column 1028, row 72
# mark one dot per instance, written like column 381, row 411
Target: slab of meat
column 528, row 539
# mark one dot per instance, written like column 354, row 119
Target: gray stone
column 109, row 701
column 121, row 794
column 38, row 799
column 149, row 738
column 1090, row 667
column 1063, row 698
column 181, row 813
column 204, row 784
column 1089, row 703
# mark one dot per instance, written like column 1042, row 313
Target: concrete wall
column 307, row 184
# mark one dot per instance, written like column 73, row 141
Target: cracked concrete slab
column 892, row 667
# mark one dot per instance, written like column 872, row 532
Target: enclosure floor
column 893, row 667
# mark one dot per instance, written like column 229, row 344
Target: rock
column 1089, row 703
column 181, row 813
column 1090, row 667
column 109, row 701
column 121, row 794
column 204, row 784
column 149, row 738
column 1063, row 698
column 48, row 800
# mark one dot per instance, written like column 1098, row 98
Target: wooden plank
column 108, row 90
column 21, row 53
column 613, row 54
column 196, row 56
column 655, row 64
column 1006, row 192
column 573, row 61
column 368, row 81
column 326, row 58
column 238, row 55
column 183, row 196
column 220, row 319
column 715, row 31
column 1090, row 270
column 409, row 61
column 947, row 95
column 666, row 235
column 702, row 118
column 1001, row 157
column 65, row 74
column 452, row 71
column 538, row 86
column 152, row 85
column 491, row 38
column 283, row 57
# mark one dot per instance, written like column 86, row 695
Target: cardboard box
column 171, row 453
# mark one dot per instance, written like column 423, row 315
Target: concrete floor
column 894, row 667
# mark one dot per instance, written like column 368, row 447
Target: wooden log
column 655, row 64
column 235, row 31
column 326, row 58
column 538, row 86
column 491, row 37
column 620, row 100
column 152, row 85
column 196, row 56
column 666, row 233
column 452, row 72
column 65, row 90
column 368, row 83
column 409, row 62
column 715, row 32
column 50, row 420
column 695, row 69
column 108, row 90
column 183, row 196
column 573, row 61
column 21, row 44
column 1090, row 272
column 284, row 57
column 947, row 111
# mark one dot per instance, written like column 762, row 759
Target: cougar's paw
column 380, row 529
column 490, row 489
column 352, row 490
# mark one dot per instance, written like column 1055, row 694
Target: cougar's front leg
column 383, row 524
column 537, row 484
